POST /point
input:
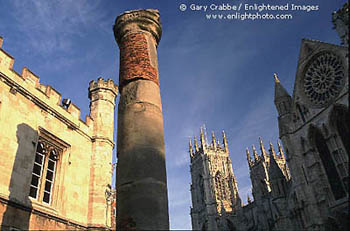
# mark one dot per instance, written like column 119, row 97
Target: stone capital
column 138, row 21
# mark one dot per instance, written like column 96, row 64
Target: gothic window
column 324, row 78
column 340, row 124
column 219, row 186
column 44, row 171
column 46, row 168
column 343, row 127
column 329, row 165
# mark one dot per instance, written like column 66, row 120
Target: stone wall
column 29, row 112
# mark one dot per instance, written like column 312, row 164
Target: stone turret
column 142, row 197
column 282, row 98
column 102, row 95
column 283, row 103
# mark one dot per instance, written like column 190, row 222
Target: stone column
column 142, row 200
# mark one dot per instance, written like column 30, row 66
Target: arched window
column 328, row 164
column 218, row 186
column 343, row 126
column 44, row 171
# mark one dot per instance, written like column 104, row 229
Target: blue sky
column 213, row 72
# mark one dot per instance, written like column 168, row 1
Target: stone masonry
column 306, row 186
column 72, row 194
column 142, row 201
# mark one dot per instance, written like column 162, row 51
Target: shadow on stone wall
column 18, row 210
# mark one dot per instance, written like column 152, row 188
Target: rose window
column 324, row 78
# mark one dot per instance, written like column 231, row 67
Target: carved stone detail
column 324, row 78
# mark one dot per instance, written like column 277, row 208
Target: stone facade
column 307, row 188
column 55, row 168
column 214, row 186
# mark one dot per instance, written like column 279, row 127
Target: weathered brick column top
column 138, row 33
column 138, row 20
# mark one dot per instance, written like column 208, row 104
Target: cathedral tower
column 142, row 198
column 259, row 172
column 214, row 187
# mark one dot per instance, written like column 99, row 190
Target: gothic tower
column 259, row 172
column 214, row 187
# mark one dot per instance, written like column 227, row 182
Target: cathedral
column 304, row 187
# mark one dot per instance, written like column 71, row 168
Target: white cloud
column 49, row 25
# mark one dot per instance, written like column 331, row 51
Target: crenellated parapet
column 44, row 96
column 102, row 95
column 101, row 85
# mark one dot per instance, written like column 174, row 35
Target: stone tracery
column 323, row 79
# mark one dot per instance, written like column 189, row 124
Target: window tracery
column 44, row 171
column 324, row 78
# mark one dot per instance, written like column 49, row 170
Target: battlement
column 103, row 84
column 45, row 96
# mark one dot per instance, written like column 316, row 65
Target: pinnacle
column 280, row 91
